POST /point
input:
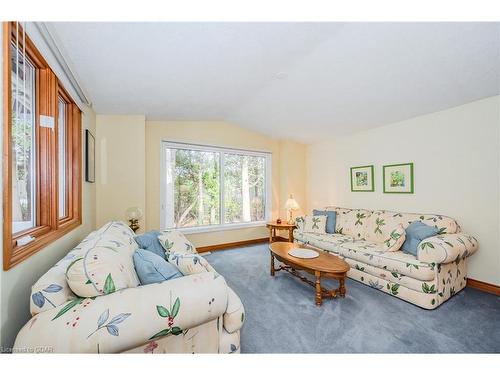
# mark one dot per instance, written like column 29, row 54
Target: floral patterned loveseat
column 437, row 272
column 197, row 313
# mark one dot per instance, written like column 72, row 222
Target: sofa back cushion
column 352, row 222
column 376, row 226
column 104, row 263
column 315, row 224
column 381, row 223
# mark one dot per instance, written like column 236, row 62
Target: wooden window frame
column 48, row 227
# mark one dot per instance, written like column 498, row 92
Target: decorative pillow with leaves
column 315, row 224
column 395, row 239
column 189, row 264
column 299, row 223
column 105, row 267
column 173, row 241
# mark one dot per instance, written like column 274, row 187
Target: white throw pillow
column 315, row 224
column 395, row 239
column 174, row 241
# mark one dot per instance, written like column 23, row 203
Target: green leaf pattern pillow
column 395, row 239
column 315, row 224
column 174, row 241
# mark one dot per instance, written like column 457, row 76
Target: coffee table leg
column 342, row 287
column 318, row 288
column 272, row 265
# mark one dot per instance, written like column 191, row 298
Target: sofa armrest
column 127, row 318
column 446, row 248
column 234, row 316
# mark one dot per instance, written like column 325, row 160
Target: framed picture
column 398, row 178
column 89, row 156
column 362, row 178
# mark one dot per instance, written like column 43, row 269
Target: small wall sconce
column 133, row 215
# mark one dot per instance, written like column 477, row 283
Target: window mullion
column 221, row 188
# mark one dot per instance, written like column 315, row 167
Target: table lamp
column 291, row 205
column 134, row 214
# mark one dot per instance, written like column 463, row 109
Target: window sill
column 218, row 228
column 19, row 253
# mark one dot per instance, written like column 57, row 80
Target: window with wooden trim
column 41, row 151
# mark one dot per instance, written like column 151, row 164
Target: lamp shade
column 291, row 204
column 133, row 213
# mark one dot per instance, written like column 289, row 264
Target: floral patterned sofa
column 197, row 313
column 437, row 272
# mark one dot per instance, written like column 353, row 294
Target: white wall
column 457, row 172
column 120, row 167
column 15, row 284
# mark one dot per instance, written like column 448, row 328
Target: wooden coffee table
column 326, row 265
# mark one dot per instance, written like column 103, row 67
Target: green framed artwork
column 398, row 178
column 362, row 178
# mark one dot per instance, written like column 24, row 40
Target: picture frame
column 398, row 178
column 89, row 157
column 362, row 179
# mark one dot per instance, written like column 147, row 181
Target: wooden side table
column 273, row 226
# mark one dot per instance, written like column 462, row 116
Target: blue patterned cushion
column 152, row 268
column 331, row 218
column 149, row 241
column 415, row 233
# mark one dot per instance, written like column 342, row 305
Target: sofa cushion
column 395, row 240
column 368, row 252
column 382, row 223
column 314, row 224
column 174, row 241
column 331, row 217
column 352, row 222
column 346, row 218
column 189, row 264
column 415, row 233
column 149, row 241
column 152, row 268
column 105, row 263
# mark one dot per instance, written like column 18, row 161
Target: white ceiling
column 304, row 81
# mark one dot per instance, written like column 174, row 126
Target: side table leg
column 272, row 265
column 342, row 287
column 270, row 235
column 318, row 288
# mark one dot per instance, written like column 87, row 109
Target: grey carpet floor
column 281, row 316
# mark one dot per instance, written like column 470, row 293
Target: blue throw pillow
column 149, row 241
column 331, row 219
column 151, row 268
column 415, row 233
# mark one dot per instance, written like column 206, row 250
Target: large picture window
column 42, row 151
column 206, row 188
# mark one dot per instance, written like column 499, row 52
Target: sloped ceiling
column 304, row 81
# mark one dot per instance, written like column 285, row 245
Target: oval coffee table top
column 324, row 263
